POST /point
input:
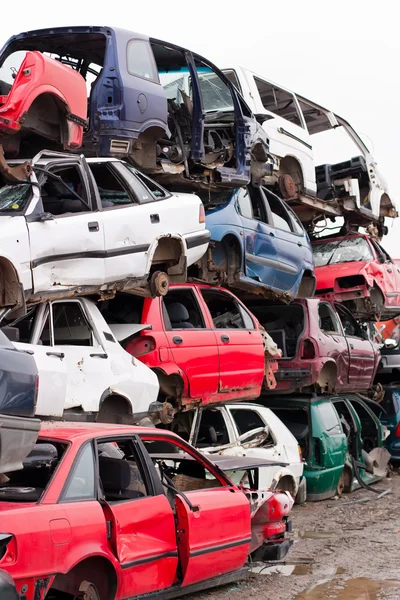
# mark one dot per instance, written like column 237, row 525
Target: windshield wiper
column 337, row 246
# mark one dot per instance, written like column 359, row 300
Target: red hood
column 326, row 275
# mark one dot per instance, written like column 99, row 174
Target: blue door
column 260, row 246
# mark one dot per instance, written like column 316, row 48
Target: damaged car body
column 356, row 270
column 324, row 347
column 258, row 245
column 341, row 439
column 163, row 131
column 100, row 483
column 133, row 234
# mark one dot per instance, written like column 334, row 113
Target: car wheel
column 159, row 283
column 340, row 485
column 87, row 591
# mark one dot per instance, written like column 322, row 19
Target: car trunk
column 285, row 324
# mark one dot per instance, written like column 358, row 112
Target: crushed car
column 341, row 438
column 353, row 187
column 258, row 245
column 84, row 373
column 43, row 102
column 135, row 113
column 76, row 227
column 202, row 342
column 324, row 347
column 356, row 270
column 18, row 396
column 250, row 430
column 84, row 490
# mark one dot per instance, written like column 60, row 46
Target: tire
column 301, row 495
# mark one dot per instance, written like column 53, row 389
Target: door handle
column 154, row 218
column 103, row 355
column 389, row 270
column 225, row 338
column 59, row 355
column 271, row 233
column 177, row 339
column 299, row 244
column 351, row 347
column 93, row 226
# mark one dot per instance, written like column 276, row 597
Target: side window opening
column 258, row 205
column 329, row 418
column 60, row 197
column 121, row 474
column 68, row 326
column 369, row 428
column 233, row 78
column 156, row 191
column 212, row 430
column 81, row 482
column 278, row 101
column 111, row 191
column 350, row 325
column 327, row 319
column 246, row 420
column 224, row 311
column 181, row 310
column 280, row 216
column 140, row 60
column 25, row 326
column 297, row 421
column 245, row 204
column 186, row 473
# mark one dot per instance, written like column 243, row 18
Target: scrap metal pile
column 163, row 264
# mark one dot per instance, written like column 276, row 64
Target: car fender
column 164, row 236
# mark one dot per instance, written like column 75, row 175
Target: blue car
column 18, row 389
column 167, row 110
column 257, row 245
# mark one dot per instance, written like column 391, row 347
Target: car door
column 213, row 517
column 67, row 239
column 69, row 335
column 260, row 246
column 192, row 341
column 52, row 369
column 290, row 244
column 333, row 344
column 391, row 276
column 142, row 531
column 362, row 355
column 240, row 346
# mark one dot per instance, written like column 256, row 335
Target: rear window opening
column 285, row 324
column 122, row 309
column 29, row 484
column 297, row 421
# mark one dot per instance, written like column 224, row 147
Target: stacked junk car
column 184, row 325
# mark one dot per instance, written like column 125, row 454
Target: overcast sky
column 344, row 55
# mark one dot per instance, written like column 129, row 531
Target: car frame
column 258, row 245
column 86, row 504
column 329, row 349
column 367, row 282
column 135, row 235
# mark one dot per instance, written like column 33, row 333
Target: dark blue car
column 166, row 109
column 18, row 388
column 258, row 244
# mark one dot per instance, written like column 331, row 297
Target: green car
column 340, row 438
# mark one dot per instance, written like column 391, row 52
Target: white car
column 93, row 226
column 245, row 429
column 84, row 373
column 291, row 122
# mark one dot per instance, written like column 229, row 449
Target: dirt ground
column 340, row 552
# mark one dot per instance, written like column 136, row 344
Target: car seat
column 115, row 475
column 179, row 316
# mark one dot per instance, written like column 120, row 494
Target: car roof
column 68, row 431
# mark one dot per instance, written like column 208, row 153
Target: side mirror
column 262, row 117
column 390, row 344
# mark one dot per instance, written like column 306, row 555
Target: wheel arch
column 307, row 285
column 169, row 251
column 291, row 164
column 96, row 568
column 11, row 293
column 122, row 406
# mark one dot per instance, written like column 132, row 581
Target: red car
column 202, row 342
column 356, row 270
column 117, row 512
column 46, row 98
column 322, row 346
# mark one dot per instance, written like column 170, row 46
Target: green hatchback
column 330, row 431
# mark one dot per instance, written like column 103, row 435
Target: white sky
column 344, row 55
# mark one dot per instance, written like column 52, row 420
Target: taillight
column 141, row 345
column 308, row 350
column 8, row 549
column 397, row 434
column 202, row 214
column 300, row 453
column 35, row 398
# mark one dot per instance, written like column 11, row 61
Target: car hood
column 326, row 275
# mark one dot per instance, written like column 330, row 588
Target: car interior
column 284, row 324
column 297, row 421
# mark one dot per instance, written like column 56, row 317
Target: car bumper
column 8, row 591
column 18, row 435
column 272, row 550
column 196, row 245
